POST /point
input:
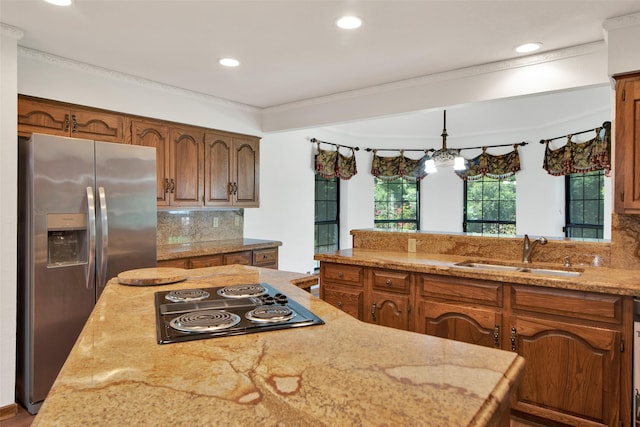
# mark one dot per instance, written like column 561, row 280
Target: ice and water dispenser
column 66, row 239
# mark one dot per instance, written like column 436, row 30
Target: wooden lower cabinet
column 267, row 258
column 343, row 287
column 577, row 345
column 572, row 372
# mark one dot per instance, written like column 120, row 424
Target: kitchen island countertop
column 344, row 372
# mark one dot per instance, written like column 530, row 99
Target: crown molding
column 621, row 22
column 12, row 32
column 554, row 55
column 140, row 81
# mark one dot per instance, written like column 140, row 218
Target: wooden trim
column 9, row 411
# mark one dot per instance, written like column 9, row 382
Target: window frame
column 415, row 221
column 317, row 223
column 569, row 226
column 499, row 222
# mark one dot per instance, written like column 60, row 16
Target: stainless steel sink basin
column 543, row 271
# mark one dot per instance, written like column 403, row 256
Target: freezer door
column 125, row 209
column 56, row 288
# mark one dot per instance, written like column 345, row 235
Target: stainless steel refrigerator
column 86, row 212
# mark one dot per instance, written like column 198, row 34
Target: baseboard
column 8, row 411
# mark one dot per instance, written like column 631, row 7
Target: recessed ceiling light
column 528, row 47
column 349, row 22
column 229, row 62
column 59, row 2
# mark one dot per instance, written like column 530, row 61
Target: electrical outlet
column 412, row 245
column 215, row 221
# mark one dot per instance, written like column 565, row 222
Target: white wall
column 8, row 214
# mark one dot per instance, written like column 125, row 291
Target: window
column 397, row 204
column 327, row 211
column 584, row 198
column 490, row 206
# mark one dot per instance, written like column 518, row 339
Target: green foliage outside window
column 396, row 204
column 490, row 206
column 585, row 205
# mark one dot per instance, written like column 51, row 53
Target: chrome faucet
column 527, row 247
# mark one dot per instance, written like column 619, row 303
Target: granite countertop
column 594, row 279
column 345, row 372
column 186, row 250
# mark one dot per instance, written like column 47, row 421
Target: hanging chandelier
column 444, row 156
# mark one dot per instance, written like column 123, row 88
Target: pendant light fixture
column 444, row 156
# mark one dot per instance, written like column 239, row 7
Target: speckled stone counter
column 345, row 372
column 186, row 250
column 594, row 279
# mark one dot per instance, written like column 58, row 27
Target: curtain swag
column 574, row 157
column 390, row 168
column 498, row 167
column 330, row 164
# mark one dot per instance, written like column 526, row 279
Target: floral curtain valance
column 575, row 157
column 329, row 164
column 498, row 167
column 390, row 168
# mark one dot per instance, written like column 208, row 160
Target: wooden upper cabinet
column 231, row 170
column 52, row 118
column 155, row 134
column 627, row 145
column 217, row 169
column 186, row 163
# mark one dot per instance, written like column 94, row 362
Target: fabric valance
column 575, row 157
column 329, row 164
column 390, row 168
column 498, row 167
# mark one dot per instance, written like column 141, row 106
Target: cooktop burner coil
column 181, row 295
column 205, row 321
column 242, row 291
column 270, row 314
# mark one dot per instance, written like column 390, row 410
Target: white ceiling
column 292, row 50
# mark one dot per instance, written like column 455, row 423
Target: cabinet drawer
column 177, row 263
column 391, row 281
column 574, row 304
column 206, row 261
column 343, row 273
column 461, row 289
column 244, row 258
column 348, row 301
column 265, row 256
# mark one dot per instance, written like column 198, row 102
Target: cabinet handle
column 496, row 336
column 173, row 186
column 340, row 305
column 340, row 274
column 74, row 128
column 388, row 282
column 373, row 311
column 235, row 188
column 513, row 340
column 167, row 186
column 66, row 123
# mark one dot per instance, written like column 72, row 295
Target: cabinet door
column 627, row 172
column 572, row 372
column 152, row 134
column 42, row 117
column 206, row 261
column 177, row 263
column 474, row 325
column 97, row 125
column 245, row 170
column 391, row 310
column 186, row 157
column 218, row 182
column 244, row 258
column 347, row 300
column 266, row 258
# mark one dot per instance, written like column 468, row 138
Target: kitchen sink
column 542, row 271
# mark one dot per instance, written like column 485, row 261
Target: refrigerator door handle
column 91, row 217
column 104, row 240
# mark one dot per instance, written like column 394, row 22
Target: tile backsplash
column 192, row 226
